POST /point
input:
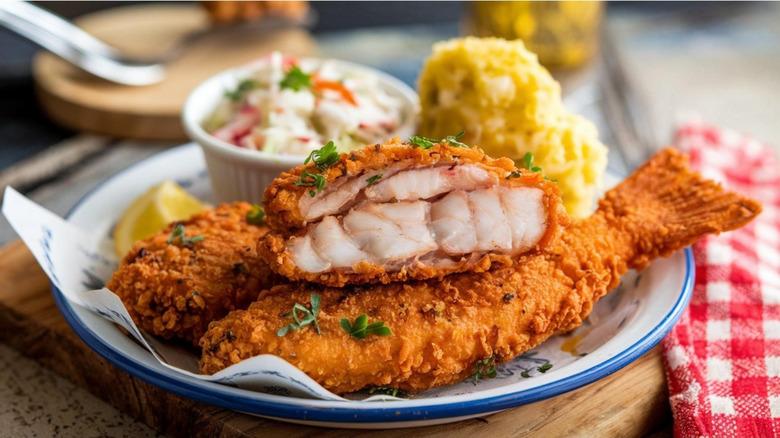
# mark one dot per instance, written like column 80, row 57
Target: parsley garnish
column 453, row 140
column 256, row 215
column 309, row 316
column 360, row 329
column 427, row 143
column 179, row 232
column 484, row 368
column 243, row 87
column 295, row 79
column 528, row 161
column 422, row 142
column 311, row 180
column 373, row 180
column 395, row 392
column 325, row 157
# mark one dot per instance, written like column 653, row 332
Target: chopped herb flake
column 528, row 161
column 243, row 87
column 324, row 157
column 427, row 143
column 395, row 392
column 309, row 316
column 295, row 79
column 422, row 142
column 311, row 180
column 179, row 232
column 373, row 180
column 360, row 328
column 453, row 140
column 485, row 368
column 256, row 215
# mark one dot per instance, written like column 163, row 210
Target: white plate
column 623, row 326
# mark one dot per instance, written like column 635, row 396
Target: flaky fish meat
column 395, row 211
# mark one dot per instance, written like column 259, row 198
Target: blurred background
column 635, row 69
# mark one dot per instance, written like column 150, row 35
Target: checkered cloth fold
column 722, row 359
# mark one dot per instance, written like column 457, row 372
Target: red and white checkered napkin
column 723, row 358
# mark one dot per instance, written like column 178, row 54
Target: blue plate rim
column 392, row 412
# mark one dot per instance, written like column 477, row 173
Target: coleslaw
column 291, row 106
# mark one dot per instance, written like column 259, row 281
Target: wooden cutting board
column 80, row 101
column 632, row 402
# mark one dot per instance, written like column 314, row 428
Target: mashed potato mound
column 509, row 104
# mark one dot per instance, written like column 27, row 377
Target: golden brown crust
column 441, row 328
column 175, row 290
column 282, row 198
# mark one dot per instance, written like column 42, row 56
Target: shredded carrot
column 335, row 86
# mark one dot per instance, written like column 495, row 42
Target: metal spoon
column 66, row 40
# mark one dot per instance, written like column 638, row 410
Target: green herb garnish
column 324, row 157
column 544, row 368
column 453, row 140
column 311, row 180
column 427, row 143
column 528, row 161
column 295, row 79
column 309, row 316
column 256, row 215
column 243, row 87
column 179, row 232
column 360, row 328
column 422, row 142
column 485, row 368
column 373, row 180
column 395, row 392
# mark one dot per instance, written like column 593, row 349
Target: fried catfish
column 441, row 329
column 176, row 282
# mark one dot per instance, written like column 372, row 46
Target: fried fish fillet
column 440, row 329
column 393, row 212
column 174, row 289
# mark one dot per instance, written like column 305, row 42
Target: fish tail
column 665, row 206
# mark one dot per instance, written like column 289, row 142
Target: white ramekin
column 239, row 174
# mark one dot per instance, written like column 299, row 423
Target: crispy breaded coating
column 174, row 290
column 440, row 329
column 395, row 212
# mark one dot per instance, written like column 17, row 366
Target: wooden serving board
column 632, row 402
column 80, row 101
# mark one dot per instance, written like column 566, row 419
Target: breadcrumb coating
column 174, row 290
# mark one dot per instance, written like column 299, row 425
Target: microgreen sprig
column 485, row 368
column 373, row 180
column 295, row 79
column 528, row 163
column 360, row 328
column 427, row 143
column 256, row 215
column 325, row 157
column 309, row 316
column 311, row 180
column 178, row 232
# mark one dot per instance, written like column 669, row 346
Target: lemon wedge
column 150, row 213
